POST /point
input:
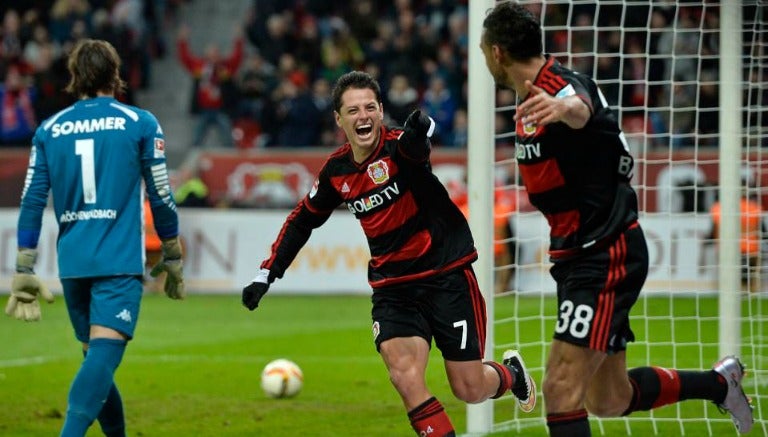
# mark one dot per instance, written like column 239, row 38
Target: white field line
column 167, row 358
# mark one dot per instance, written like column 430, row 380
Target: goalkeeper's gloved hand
column 173, row 265
column 418, row 127
column 253, row 292
column 25, row 288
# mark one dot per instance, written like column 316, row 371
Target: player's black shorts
column 596, row 292
column 448, row 308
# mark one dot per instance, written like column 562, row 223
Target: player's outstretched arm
column 25, row 288
column 542, row 109
column 253, row 292
column 173, row 265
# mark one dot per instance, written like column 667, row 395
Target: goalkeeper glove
column 25, row 288
column 254, row 291
column 173, row 265
column 418, row 127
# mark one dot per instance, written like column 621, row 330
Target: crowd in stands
column 297, row 49
column 37, row 35
column 273, row 84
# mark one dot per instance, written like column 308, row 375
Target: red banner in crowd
column 683, row 181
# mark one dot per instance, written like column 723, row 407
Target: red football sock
column 506, row 378
column 430, row 419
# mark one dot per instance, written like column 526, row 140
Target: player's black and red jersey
column 579, row 178
column 413, row 229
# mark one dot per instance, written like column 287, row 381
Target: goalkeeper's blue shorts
column 111, row 301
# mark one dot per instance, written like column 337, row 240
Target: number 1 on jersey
column 84, row 148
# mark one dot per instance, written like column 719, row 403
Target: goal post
column 658, row 64
column 731, row 140
column 480, row 185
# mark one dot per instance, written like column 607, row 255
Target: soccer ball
column 281, row 378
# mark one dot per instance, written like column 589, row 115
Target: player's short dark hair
column 357, row 80
column 515, row 29
column 94, row 66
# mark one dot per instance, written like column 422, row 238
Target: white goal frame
column 480, row 417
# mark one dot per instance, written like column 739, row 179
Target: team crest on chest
column 378, row 172
column 529, row 128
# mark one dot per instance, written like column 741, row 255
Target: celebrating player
column 421, row 248
column 93, row 156
column 576, row 168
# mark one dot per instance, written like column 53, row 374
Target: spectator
column 129, row 17
column 308, row 50
column 297, row 115
column 321, row 96
column 441, row 105
column 64, row 16
column 30, row 19
column 17, row 113
column 276, row 40
column 342, row 44
column 41, row 41
column 50, row 79
column 333, row 65
column 449, row 66
column 459, row 137
column 10, row 40
column 256, row 82
column 363, row 19
column 683, row 117
column 709, row 111
column 401, row 99
column 289, row 73
column 634, row 80
column 378, row 49
column 213, row 85
column 402, row 58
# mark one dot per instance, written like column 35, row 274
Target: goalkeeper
column 424, row 288
column 576, row 168
column 92, row 157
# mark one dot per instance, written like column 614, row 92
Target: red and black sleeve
column 310, row 213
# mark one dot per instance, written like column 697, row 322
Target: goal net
column 688, row 82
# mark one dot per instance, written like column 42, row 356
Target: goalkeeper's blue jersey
column 93, row 157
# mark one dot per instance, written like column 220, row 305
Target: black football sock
column 571, row 424
column 654, row 387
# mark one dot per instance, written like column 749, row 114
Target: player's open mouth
column 364, row 130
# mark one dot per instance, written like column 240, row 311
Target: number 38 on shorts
column 574, row 320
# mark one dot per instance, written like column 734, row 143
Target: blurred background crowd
column 270, row 83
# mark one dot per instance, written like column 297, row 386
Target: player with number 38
column 577, row 170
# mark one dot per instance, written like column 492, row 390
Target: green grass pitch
column 193, row 370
